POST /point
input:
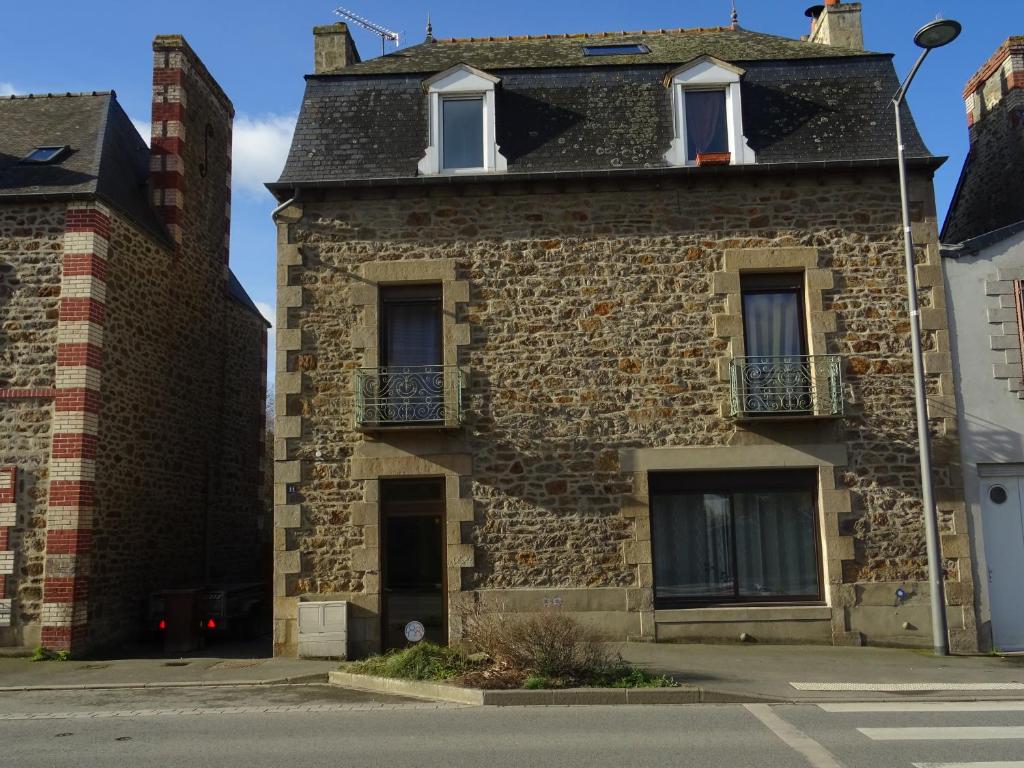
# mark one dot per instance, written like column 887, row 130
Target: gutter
column 976, row 244
column 928, row 163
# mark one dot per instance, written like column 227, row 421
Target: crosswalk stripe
column 926, row 706
column 1008, row 764
column 908, row 687
column 958, row 733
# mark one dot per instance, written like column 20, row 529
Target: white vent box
column 323, row 630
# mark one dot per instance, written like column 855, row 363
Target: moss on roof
column 669, row 46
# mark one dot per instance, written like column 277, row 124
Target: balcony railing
column 408, row 396
column 794, row 385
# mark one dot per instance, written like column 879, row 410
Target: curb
column 565, row 697
column 299, row 680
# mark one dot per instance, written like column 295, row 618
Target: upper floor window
column 462, row 124
column 707, row 114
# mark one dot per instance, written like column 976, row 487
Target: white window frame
column 461, row 82
column 707, row 73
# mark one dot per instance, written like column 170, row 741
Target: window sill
column 797, row 417
column 414, row 426
column 745, row 613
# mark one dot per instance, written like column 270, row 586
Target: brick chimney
column 990, row 194
column 837, row 23
column 333, row 48
column 997, row 88
column 190, row 155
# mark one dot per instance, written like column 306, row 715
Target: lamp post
column 931, row 36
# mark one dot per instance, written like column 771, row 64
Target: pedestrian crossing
column 939, row 734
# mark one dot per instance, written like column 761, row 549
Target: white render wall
column 987, row 366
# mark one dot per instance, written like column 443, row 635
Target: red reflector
column 211, row 624
column 162, row 624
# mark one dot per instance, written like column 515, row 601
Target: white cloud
column 8, row 89
column 259, row 150
column 267, row 310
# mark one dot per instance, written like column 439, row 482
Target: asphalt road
column 319, row 726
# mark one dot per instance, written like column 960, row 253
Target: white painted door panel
column 1002, row 513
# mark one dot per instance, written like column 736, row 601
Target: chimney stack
column 998, row 87
column 837, row 23
column 333, row 48
column 190, row 151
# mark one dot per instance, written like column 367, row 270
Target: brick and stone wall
column 595, row 326
column 31, row 247
column 994, row 99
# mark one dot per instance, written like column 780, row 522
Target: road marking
column 1009, row 764
column 187, row 711
column 926, row 706
column 957, row 733
column 816, row 755
column 908, row 687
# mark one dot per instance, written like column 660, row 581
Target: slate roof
column 239, row 294
column 108, row 158
column 669, row 46
column 601, row 116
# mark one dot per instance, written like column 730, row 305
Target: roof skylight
column 42, row 155
column 621, row 49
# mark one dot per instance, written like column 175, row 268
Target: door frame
column 408, row 509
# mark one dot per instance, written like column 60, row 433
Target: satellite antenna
column 377, row 29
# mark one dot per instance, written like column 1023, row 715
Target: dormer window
column 707, row 114
column 45, row 155
column 462, row 132
column 462, row 125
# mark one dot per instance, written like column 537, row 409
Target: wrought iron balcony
column 409, row 396
column 789, row 386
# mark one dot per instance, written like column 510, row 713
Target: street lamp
column 930, row 36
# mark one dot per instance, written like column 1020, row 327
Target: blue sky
column 259, row 51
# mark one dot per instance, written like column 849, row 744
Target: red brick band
column 62, row 637
column 80, row 354
column 73, row 445
column 68, row 542
column 82, row 264
column 14, row 394
column 64, row 589
column 168, row 145
column 88, row 220
column 78, row 309
column 72, row 493
column 77, row 400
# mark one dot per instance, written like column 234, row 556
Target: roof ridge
column 72, row 94
column 583, row 35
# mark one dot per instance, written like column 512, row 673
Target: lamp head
column 937, row 34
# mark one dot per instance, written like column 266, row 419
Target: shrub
column 425, row 661
column 549, row 644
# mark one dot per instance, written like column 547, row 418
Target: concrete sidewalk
column 768, row 672
column 23, row 674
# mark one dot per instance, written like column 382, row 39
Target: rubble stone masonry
column 598, row 317
column 31, row 250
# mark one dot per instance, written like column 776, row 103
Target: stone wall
column 31, row 245
column 596, row 326
column 238, row 523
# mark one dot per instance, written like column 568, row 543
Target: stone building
column 132, row 363
column 984, row 244
column 612, row 324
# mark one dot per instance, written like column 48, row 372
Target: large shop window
column 734, row 537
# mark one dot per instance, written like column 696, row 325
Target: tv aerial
column 385, row 33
